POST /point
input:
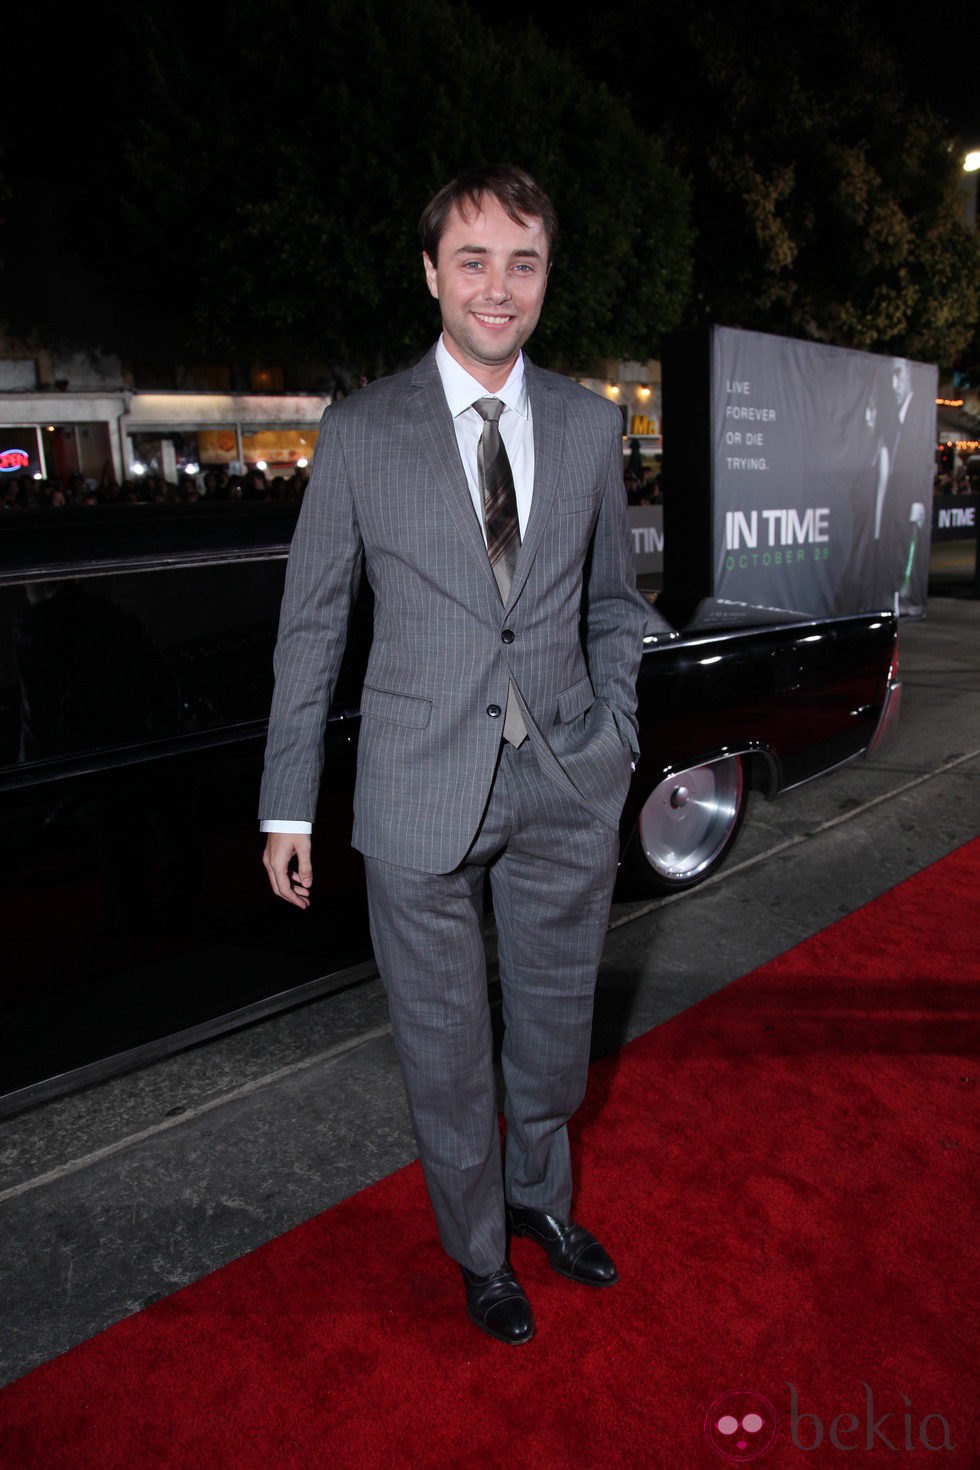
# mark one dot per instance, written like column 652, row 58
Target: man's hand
column 280, row 848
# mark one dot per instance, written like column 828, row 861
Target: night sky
column 61, row 99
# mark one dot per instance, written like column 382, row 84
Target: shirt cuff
column 273, row 826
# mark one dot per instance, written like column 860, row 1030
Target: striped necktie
column 502, row 527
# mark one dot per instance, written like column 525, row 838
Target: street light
column 968, row 185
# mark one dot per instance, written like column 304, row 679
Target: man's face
column 901, row 380
column 489, row 281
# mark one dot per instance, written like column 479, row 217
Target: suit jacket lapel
column 438, row 438
column 548, row 422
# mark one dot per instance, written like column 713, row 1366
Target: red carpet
column 786, row 1175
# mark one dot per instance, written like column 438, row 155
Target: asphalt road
column 122, row 1193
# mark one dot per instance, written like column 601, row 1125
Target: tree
column 838, row 201
column 825, row 203
column 279, row 156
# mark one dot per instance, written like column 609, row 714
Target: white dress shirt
column 516, row 431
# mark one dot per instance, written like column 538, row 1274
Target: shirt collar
column 462, row 390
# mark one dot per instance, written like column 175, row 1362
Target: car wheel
column 687, row 826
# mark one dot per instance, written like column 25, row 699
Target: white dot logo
column 741, row 1425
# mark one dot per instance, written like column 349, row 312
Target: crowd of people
column 644, row 488
column 23, row 492
column 966, row 481
column 643, row 481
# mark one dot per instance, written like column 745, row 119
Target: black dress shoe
column 497, row 1303
column 571, row 1249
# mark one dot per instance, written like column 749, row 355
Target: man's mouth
column 491, row 321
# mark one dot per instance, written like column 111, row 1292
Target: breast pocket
column 570, row 505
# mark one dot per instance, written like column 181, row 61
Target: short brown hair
column 514, row 190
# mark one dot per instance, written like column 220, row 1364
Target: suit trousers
column 552, row 867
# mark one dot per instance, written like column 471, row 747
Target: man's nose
column 496, row 286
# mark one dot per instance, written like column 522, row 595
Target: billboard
column 810, row 484
column 955, row 517
column 647, row 529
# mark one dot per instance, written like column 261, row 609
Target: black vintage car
column 136, row 646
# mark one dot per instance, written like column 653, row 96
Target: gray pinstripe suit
column 435, row 795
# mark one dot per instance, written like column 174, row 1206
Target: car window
column 90, row 663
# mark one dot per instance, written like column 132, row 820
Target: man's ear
column 430, row 275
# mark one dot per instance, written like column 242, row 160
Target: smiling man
column 489, row 277
column 484, row 498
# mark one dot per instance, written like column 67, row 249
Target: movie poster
column 822, row 472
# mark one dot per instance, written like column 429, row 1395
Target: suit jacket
column 387, row 485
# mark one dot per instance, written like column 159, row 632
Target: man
column 904, row 468
column 497, row 723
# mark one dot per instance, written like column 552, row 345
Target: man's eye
column 474, row 264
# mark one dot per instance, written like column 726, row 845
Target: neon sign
column 12, row 460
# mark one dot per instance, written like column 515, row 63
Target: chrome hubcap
column 687, row 819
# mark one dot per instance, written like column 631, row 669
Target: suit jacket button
column 507, row 636
column 493, row 710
